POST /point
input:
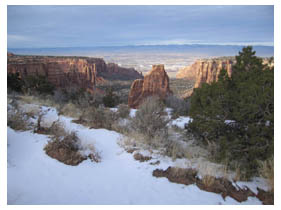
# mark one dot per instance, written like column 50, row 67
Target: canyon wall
column 188, row 72
column 63, row 71
column 155, row 83
column 208, row 70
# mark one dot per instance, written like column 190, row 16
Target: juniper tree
column 247, row 101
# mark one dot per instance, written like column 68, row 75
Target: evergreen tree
column 237, row 113
column 110, row 99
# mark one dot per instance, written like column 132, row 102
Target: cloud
column 62, row 26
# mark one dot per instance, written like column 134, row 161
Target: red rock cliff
column 63, row 71
column 155, row 83
column 209, row 70
column 188, row 72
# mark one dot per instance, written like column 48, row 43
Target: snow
column 114, row 109
column 181, row 121
column 133, row 112
column 35, row 178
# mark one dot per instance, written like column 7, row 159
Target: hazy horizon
column 174, row 57
column 82, row 26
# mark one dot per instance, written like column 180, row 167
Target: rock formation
column 155, row 83
column 62, row 71
column 188, row 72
column 208, row 70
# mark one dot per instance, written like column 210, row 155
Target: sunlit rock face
column 62, row 71
column 208, row 70
column 155, row 83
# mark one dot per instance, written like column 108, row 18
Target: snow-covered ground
column 35, row 178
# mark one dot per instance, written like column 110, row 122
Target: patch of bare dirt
column 155, row 163
column 66, row 156
column 43, row 130
column 267, row 198
column 225, row 188
column 177, row 175
column 131, row 150
column 80, row 121
column 141, row 158
column 65, row 150
column 218, row 185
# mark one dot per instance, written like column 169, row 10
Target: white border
column 3, row 62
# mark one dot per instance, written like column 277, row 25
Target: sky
column 89, row 26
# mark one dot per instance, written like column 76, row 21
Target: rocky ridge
column 62, row 71
column 208, row 70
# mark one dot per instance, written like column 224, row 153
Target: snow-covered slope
column 35, row 178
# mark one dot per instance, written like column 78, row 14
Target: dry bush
column 99, row 118
column 213, row 149
column 58, row 130
column 174, row 149
column 208, row 180
column 127, row 142
column 237, row 176
column 207, row 169
column 38, row 99
column 70, row 110
column 150, row 120
column 266, row 170
column 116, row 126
column 17, row 121
column 180, row 106
column 123, row 111
column 141, row 158
column 65, row 150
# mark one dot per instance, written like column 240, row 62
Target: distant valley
column 174, row 57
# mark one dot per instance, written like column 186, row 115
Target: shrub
column 180, row 106
column 14, row 82
column 38, row 84
column 57, row 130
column 150, row 120
column 65, row 150
column 247, row 100
column 99, row 118
column 123, row 110
column 17, row 121
column 70, row 109
column 174, row 149
column 266, row 170
column 110, row 99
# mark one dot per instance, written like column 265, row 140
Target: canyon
column 64, row 71
column 208, row 70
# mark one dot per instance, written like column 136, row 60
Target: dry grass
column 70, row 110
column 208, row 180
column 99, row 118
column 30, row 99
column 174, row 149
column 150, row 120
column 58, row 130
column 123, row 111
column 17, row 121
column 116, row 126
column 267, row 171
column 209, row 171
